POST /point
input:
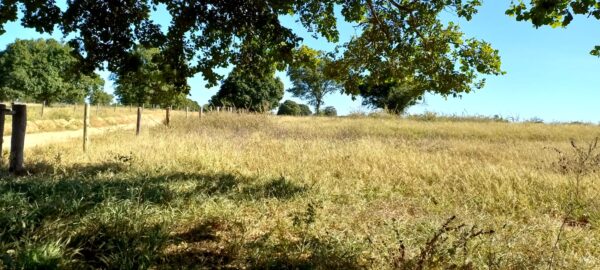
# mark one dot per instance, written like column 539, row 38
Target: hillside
column 254, row 191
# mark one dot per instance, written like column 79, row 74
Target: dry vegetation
column 70, row 117
column 232, row 191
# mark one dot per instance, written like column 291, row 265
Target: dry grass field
column 70, row 117
column 265, row 192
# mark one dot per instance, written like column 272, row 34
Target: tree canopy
column 329, row 111
column 43, row 71
column 147, row 85
column 402, row 39
column 394, row 97
column 99, row 97
column 308, row 77
column 250, row 89
column 555, row 13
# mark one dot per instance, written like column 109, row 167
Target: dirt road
column 44, row 138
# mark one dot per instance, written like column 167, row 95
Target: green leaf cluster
column 44, row 70
column 249, row 89
column 555, row 13
column 289, row 107
column 309, row 78
column 148, row 84
column 396, row 39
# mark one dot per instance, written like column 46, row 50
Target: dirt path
column 44, row 138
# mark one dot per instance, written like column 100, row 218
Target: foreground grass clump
column 243, row 191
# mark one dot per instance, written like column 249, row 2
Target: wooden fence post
column 200, row 111
column 138, row 123
column 2, row 120
column 43, row 106
column 17, row 138
column 168, row 118
column 86, row 123
column 115, row 107
column 186, row 111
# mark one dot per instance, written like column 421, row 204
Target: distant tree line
column 44, row 70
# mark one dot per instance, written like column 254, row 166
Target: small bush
column 290, row 107
column 330, row 111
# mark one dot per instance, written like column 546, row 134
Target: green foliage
column 148, row 84
column 407, row 41
column 289, row 107
column 99, row 97
column 391, row 96
column 43, row 71
column 330, row 111
column 558, row 13
column 309, row 79
column 249, row 89
column 305, row 110
column 402, row 39
column 191, row 104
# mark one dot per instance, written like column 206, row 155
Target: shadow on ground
column 89, row 209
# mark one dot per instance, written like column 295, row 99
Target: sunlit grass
column 255, row 191
column 70, row 117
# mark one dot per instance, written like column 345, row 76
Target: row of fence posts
column 115, row 106
column 19, row 126
column 138, row 122
column 17, row 137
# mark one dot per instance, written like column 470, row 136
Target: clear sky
column 550, row 74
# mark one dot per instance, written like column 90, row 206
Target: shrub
column 304, row 110
column 290, row 107
column 330, row 111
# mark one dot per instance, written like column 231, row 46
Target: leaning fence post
column 17, row 138
column 86, row 123
column 138, row 123
column 168, row 118
column 2, row 120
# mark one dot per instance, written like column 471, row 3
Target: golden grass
column 70, row 117
column 254, row 191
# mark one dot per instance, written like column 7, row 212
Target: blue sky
column 550, row 74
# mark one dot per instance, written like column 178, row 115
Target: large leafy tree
column 405, row 41
column 400, row 38
column 557, row 13
column 250, row 89
column 148, row 84
column 309, row 79
column 43, row 71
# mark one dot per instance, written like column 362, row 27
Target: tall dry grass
column 255, row 191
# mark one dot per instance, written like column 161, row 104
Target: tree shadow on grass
column 53, row 193
column 219, row 244
column 127, row 239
